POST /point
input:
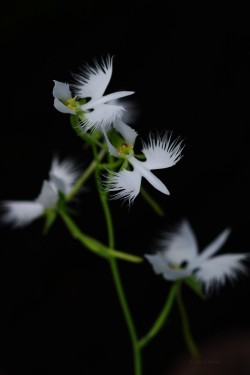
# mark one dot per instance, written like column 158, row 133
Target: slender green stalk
column 113, row 165
column 87, row 173
column 94, row 245
column 117, row 280
column 91, row 140
column 152, row 202
column 161, row 319
column 186, row 326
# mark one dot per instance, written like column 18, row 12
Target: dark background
column 189, row 65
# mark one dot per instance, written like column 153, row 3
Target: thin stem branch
column 155, row 206
column 91, row 140
column 117, row 280
column 186, row 326
column 86, row 174
column 94, row 245
column 161, row 319
column 112, row 165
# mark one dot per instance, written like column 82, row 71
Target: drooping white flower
column 178, row 258
column 62, row 176
column 160, row 152
column 85, row 97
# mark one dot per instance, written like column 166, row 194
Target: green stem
column 94, row 245
column 186, row 326
column 93, row 141
column 87, row 173
column 118, row 282
column 90, row 139
column 159, row 322
column 152, row 202
column 112, row 165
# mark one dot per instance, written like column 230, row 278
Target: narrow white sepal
column 112, row 150
column 61, row 91
column 126, row 131
column 212, row 248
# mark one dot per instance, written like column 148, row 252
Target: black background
column 189, row 65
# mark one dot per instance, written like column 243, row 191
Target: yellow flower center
column 175, row 267
column 125, row 149
column 72, row 103
column 181, row 266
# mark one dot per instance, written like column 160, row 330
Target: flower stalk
column 117, row 279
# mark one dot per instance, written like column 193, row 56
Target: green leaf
column 194, row 284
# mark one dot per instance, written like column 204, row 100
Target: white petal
column 19, row 214
column 161, row 152
column 62, row 108
column 126, row 131
column 216, row 271
column 158, row 262
column 131, row 113
column 112, row 150
column 48, row 196
column 92, row 81
column 150, row 177
column 176, row 274
column 161, row 266
column 212, row 248
column 180, row 245
column 63, row 174
column 106, row 99
column 61, row 91
column 126, row 183
column 102, row 117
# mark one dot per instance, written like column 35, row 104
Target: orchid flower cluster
column 99, row 119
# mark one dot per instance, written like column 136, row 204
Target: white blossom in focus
column 85, row 97
column 160, row 153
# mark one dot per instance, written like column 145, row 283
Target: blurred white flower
column 178, row 258
column 86, row 98
column 160, row 152
column 62, row 176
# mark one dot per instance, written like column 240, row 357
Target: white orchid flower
column 86, row 98
column 160, row 152
column 62, row 176
column 178, row 258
